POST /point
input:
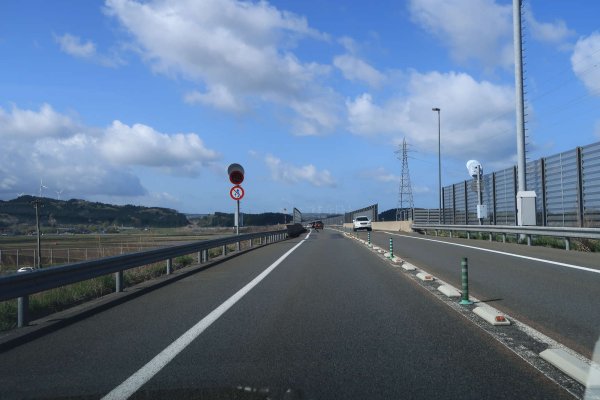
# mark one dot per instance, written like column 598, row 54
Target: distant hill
column 80, row 212
column 220, row 219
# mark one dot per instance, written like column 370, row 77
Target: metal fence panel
column 534, row 174
column 561, row 189
column 460, row 205
column 590, row 165
column 448, row 213
column 505, row 197
column 370, row 211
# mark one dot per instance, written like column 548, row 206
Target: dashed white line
column 504, row 253
column 144, row 374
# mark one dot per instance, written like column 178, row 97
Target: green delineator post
column 369, row 238
column 391, row 248
column 464, row 264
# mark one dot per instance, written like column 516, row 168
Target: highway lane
column 556, row 300
column 332, row 321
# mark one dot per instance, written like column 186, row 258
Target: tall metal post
column 520, row 104
column 479, row 191
column 237, row 223
column 439, row 166
column 38, row 261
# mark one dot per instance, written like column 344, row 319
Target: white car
column 361, row 222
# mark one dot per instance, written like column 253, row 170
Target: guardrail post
column 199, row 257
column 22, row 311
column 205, row 255
column 169, row 266
column 567, row 243
column 464, row 269
column 119, row 281
column 251, row 243
column 391, row 248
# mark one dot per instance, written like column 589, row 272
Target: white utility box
column 482, row 211
column 526, row 208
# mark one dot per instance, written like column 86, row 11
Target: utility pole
column 37, row 204
column 520, row 103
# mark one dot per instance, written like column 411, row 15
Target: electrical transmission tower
column 405, row 197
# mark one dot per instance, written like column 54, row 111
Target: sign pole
column 237, row 218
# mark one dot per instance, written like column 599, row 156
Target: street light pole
column 439, row 166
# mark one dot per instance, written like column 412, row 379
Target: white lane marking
column 144, row 374
column 504, row 253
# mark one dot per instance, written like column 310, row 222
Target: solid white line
column 505, row 253
column 144, row 374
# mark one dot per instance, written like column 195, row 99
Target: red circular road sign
column 236, row 192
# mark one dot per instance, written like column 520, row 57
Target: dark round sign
column 236, row 177
column 236, row 174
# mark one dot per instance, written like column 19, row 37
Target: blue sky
column 147, row 103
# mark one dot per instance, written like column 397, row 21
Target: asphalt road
column 331, row 321
column 560, row 302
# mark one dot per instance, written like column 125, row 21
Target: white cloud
column 282, row 172
column 241, row 51
column 472, row 29
column 380, row 175
column 142, row 145
column 476, row 117
column 218, row 96
column 87, row 161
column 32, row 124
column 556, row 33
column 355, row 69
column 585, row 60
column 74, row 46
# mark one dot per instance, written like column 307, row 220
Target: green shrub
column 184, row 261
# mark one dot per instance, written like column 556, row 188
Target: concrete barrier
column 395, row 226
column 294, row 230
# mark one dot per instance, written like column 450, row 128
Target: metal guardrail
column 566, row 233
column 21, row 285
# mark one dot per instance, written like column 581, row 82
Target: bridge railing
column 566, row 233
column 21, row 285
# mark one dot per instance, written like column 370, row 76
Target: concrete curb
column 567, row 363
column 449, row 291
column 491, row 315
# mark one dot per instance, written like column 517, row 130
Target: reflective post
column 464, row 264
column 369, row 238
column 169, row 266
column 391, row 248
column 22, row 311
column 119, row 281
